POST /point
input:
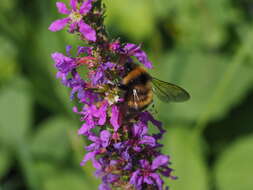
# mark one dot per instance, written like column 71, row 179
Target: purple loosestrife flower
column 121, row 148
column 75, row 19
column 147, row 173
column 135, row 50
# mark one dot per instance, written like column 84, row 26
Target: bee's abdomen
column 140, row 96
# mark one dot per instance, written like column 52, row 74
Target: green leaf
column 233, row 169
column 51, row 140
column 187, row 160
column 201, row 75
column 5, row 162
column 15, row 111
column 134, row 19
column 54, row 176
column 8, row 54
column 66, row 180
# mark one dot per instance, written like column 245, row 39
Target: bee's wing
column 168, row 92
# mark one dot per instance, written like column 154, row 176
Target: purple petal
column 92, row 147
column 93, row 138
column 86, row 127
column 68, row 49
column 131, row 48
column 158, row 180
column 102, row 113
column 63, row 63
column 135, row 50
column 134, row 177
column 148, row 140
column 137, row 148
column 145, row 164
column 97, row 77
column 125, row 155
column 139, row 129
column 140, row 181
column 148, row 180
column 159, row 161
column 110, row 178
column 88, row 32
column 146, row 116
column 62, row 8
column 119, row 145
column 115, row 46
column 82, row 49
column 96, row 164
column 115, row 118
column 73, row 4
column 105, row 138
column 59, row 24
column 86, row 7
column 73, row 27
column 143, row 58
column 109, row 65
column 87, row 157
column 104, row 187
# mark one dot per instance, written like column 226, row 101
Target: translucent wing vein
column 168, row 92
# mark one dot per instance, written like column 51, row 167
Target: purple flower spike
column 125, row 154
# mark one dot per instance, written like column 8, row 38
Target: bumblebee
column 140, row 86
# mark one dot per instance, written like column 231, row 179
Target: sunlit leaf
column 135, row 18
column 187, row 160
column 234, row 167
column 5, row 161
column 66, row 180
column 15, row 111
column 51, row 140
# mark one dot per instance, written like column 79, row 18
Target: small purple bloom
column 99, row 142
column 135, row 50
column 59, row 24
column 88, row 32
column 104, row 187
column 68, row 49
column 115, row 118
column 147, row 174
column 102, row 113
column 88, row 115
column 140, row 137
column 86, row 50
column 95, row 148
column 62, row 8
column 75, row 19
column 99, row 77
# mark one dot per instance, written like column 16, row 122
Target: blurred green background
column 206, row 46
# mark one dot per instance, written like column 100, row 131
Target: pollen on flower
column 112, row 96
column 75, row 16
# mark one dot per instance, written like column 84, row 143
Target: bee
column 140, row 86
